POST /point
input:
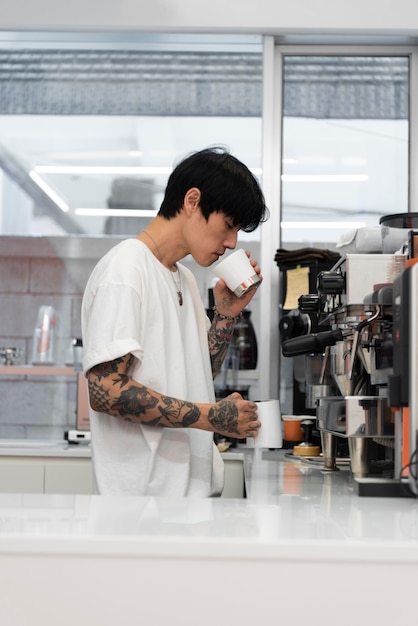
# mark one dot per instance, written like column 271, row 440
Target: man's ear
column 192, row 198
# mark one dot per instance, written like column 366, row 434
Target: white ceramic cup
column 270, row 434
column 238, row 273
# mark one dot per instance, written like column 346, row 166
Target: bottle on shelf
column 245, row 341
column 43, row 336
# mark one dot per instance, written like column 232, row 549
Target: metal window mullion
column 270, row 231
column 413, row 131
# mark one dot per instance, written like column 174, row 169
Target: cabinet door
column 20, row 476
column 234, row 479
column 68, row 476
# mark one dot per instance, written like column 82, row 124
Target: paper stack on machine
column 367, row 239
column 391, row 236
column 373, row 240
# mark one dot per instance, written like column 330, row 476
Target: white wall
column 371, row 17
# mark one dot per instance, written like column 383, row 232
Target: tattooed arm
column 227, row 311
column 113, row 391
column 219, row 337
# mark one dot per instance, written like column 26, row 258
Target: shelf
column 37, row 370
column 247, row 374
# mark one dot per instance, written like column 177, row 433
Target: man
column 150, row 352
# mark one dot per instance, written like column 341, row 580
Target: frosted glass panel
column 91, row 130
column 345, row 145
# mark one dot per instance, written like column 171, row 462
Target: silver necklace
column 177, row 286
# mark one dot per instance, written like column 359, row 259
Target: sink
column 34, row 444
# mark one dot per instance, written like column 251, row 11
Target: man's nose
column 231, row 241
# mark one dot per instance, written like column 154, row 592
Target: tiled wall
column 36, row 271
column 49, row 270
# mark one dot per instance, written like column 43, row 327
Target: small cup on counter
column 292, row 430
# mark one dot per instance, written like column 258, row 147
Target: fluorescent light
column 110, row 169
column 289, row 161
column 100, row 169
column 115, row 212
column 97, row 169
column 325, row 178
column 49, row 191
column 98, row 154
column 320, row 225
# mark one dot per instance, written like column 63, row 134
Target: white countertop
column 292, row 508
column 302, row 538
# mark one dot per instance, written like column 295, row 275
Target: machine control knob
column 330, row 283
column 294, row 324
column 310, row 303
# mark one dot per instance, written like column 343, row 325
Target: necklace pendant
column 180, row 297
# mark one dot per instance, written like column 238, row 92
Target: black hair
column 226, row 185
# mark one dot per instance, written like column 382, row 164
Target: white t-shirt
column 130, row 305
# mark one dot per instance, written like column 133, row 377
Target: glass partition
column 345, row 144
column 91, row 128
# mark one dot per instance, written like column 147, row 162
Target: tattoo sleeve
column 219, row 337
column 112, row 391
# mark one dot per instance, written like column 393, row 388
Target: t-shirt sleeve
column 111, row 325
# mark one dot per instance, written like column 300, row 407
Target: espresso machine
column 361, row 375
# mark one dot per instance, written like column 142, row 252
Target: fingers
column 235, row 395
column 253, row 423
column 253, row 262
column 220, row 284
column 253, row 428
column 247, row 405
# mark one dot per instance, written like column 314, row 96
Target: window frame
column 269, row 349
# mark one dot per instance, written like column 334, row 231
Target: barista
column 150, row 352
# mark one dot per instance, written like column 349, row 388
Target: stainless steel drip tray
column 356, row 416
column 318, row 462
column 34, row 444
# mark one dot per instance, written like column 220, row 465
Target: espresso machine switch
column 310, row 303
column 294, row 324
column 330, row 283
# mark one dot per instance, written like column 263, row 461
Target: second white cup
column 270, row 434
column 238, row 273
